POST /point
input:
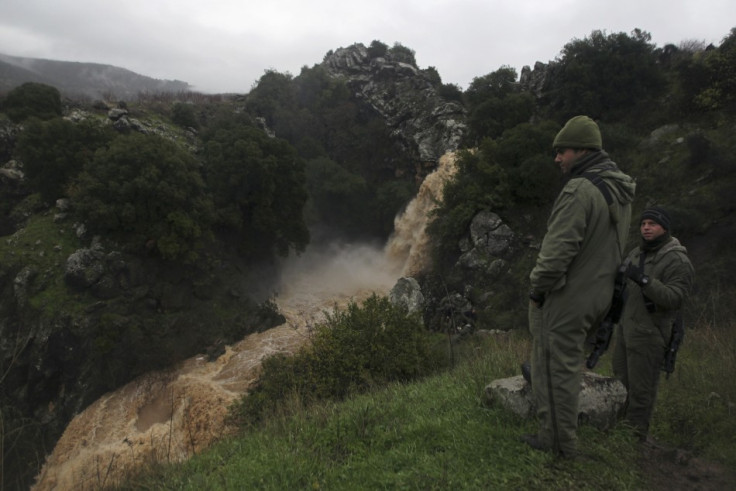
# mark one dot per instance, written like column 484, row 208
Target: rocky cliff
column 406, row 97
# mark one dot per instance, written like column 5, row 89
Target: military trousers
column 558, row 342
column 637, row 361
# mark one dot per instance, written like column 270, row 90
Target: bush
column 257, row 184
column 355, row 349
column 32, row 100
column 54, row 152
column 145, row 190
column 184, row 115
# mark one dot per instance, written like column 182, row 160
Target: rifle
column 613, row 316
column 678, row 334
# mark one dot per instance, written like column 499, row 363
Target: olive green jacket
column 671, row 278
column 585, row 239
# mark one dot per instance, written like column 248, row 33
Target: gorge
column 173, row 414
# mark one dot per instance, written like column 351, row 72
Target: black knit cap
column 657, row 214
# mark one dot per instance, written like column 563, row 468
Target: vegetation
column 32, row 100
column 355, row 350
column 302, row 152
column 55, row 151
column 439, row 433
column 259, row 202
column 145, row 191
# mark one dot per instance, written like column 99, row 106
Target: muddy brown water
column 173, row 414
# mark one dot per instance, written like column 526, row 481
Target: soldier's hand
column 636, row 275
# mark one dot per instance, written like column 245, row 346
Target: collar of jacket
column 598, row 159
column 650, row 246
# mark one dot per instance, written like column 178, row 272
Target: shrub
column 258, row 187
column 54, row 152
column 184, row 115
column 354, row 350
column 145, row 190
column 377, row 49
column 32, row 100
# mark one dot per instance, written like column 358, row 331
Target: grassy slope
column 437, row 434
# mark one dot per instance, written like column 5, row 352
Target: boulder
column 407, row 292
column 601, row 398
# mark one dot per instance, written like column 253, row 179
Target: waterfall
column 173, row 414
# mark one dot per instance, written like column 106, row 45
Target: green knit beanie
column 579, row 132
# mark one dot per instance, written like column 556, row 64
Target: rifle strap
column 598, row 182
column 651, row 307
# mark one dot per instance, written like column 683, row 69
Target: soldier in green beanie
column 660, row 277
column 572, row 281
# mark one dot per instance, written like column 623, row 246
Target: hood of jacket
column 621, row 185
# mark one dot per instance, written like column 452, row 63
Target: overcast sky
column 226, row 45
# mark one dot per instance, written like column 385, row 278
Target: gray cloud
column 225, row 46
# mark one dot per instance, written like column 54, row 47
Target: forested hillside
column 129, row 225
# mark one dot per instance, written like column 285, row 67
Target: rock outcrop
column 406, row 98
column 601, row 398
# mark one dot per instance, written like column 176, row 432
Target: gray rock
column 601, row 398
column 490, row 234
column 427, row 125
column 407, row 292
column 21, row 284
column 84, row 268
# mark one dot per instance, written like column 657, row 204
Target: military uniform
column 646, row 327
column 574, row 274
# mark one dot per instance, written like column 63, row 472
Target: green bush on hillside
column 145, row 191
column 184, row 115
column 53, row 152
column 257, row 184
column 32, row 100
column 355, row 349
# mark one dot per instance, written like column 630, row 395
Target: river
column 173, row 414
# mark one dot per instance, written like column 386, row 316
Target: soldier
column 572, row 281
column 660, row 278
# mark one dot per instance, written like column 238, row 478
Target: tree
column 338, row 196
column 53, row 152
column 496, row 85
column 144, row 190
column 377, row 49
column 32, row 100
column 606, row 76
column 257, row 184
column 495, row 103
column 184, row 115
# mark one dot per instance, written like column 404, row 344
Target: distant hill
column 87, row 79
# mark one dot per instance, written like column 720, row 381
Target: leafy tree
column 478, row 184
column 719, row 71
column 495, row 114
column 55, row 151
column 145, row 191
column 184, row 115
column 273, row 94
column 338, row 196
column 515, row 169
column 606, row 76
column 495, row 103
column 258, row 187
column 377, row 49
column 399, row 52
column 32, row 100
column 496, row 85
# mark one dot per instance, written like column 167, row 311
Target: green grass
column 432, row 434
column 43, row 246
